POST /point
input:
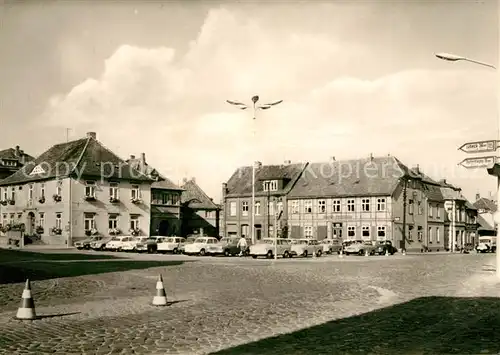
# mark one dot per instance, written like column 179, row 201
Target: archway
column 163, row 228
column 30, row 225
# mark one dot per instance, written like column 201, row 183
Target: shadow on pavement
column 429, row 325
column 170, row 303
column 57, row 315
column 43, row 270
column 9, row 256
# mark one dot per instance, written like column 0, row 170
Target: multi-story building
column 165, row 211
column 460, row 220
column 11, row 160
column 200, row 215
column 76, row 189
column 486, row 207
column 366, row 199
column 272, row 186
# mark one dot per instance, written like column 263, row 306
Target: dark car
column 385, row 247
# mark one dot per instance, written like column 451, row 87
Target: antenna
column 67, row 134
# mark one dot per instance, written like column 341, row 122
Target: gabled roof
column 84, row 157
column 483, row 224
column 433, row 192
column 377, row 176
column 165, row 184
column 11, row 153
column 194, row 197
column 485, row 204
column 240, row 183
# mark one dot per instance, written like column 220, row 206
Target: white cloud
column 172, row 106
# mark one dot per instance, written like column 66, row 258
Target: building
column 272, row 186
column 461, row 218
column 165, row 212
column 486, row 207
column 11, row 160
column 77, row 189
column 200, row 215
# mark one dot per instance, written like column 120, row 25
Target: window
column 350, row 205
column 90, row 189
column 365, row 232
column 89, row 221
column 420, row 209
column 166, row 199
column 134, row 222
column 271, row 232
column 438, row 237
column 336, row 205
column 209, row 214
column 381, row 232
column 419, row 233
column 410, row 233
column 257, row 208
column 30, row 192
column 271, row 208
column 13, row 193
column 4, row 218
column 271, row 185
column 19, row 216
column 42, row 190
column 5, row 193
column 308, row 206
column 295, row 207
column 410, row 206
column 308, row 231
column 113, row 190
column 232, row 209
column 113, row 222
column 430, row 210
column 381, row 204
column 365, row 205
column 430, row 234
column 58, row 220
column 436, row 210
column 321, row 206
column 244, row 208
column 11, row 218
column 279, row 205
column 41, row 218
column 135, row 193
column 351, row 231
column 245, row 230
column 59, row 189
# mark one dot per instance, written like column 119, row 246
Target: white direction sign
column 479, row 162
column 480, row 147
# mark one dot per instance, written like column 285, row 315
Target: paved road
column 223, row 302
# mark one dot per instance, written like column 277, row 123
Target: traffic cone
column 27, row 308
column 366, row 253
column 386, row 252
column 404, row 252
column 341, row 254
column 161, row 296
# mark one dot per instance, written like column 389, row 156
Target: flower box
column 113, row 200
column 57, row 231
column 39, row 230
column 12, row 202
column 41, row 200
column 57, row 198
column 3, row 203
column 114, row 231
column 18, row 227
column 89, row 198
column 135, row 232
column 135, row 200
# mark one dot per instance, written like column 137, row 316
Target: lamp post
column 255, row 107
column 493, row 171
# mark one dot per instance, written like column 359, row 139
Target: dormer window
column 270, row 185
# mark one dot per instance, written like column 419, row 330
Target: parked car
column 131, row 245
column 360, row 247
column 227, row 246
column 150, row 245
column 200, row 246
column 265, row 247
column 170, row 245
column 117, row 243
column 331, row 246
column 385, row 247
column 487, row 244
column 100, row 244
column 189, row 240
column 85, row 243
column 305, row 247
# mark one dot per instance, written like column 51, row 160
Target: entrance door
column 258, row 232
column 30, row 226
column 163, row 228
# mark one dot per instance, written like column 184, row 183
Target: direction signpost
column 480, row 147
column 479, row 162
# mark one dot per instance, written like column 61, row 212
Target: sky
column 356, row 78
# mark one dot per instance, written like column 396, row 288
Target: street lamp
column 454, row 58
column 243, row 106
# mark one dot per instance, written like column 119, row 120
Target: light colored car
column 86, row 243
column 331, row 246
column 266, row 247
column 189, row 240
column 170, row 245
column 200, row 246
column 131, row 245
column 117, row 243
column 100, row 244
column 305, row 247
column 360, row 247
column 227, row 246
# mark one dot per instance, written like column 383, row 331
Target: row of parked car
column 228, row 246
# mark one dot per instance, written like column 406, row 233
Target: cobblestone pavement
column 222, row 302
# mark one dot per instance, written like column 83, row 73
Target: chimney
column 193, row 179
column 258, row 165
column 132, row 157
column 478, row 196
column 288, row 162
column 91, row 135
column 224, row 190
column 371, row 156
column 184, row 180
column 18, row 152
column 332, row 158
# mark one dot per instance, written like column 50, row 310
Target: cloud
column 171, row 105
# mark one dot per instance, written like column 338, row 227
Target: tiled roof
column 483, row 224
column 161, row 182
column 378, row 176
column 485, row 204
column 11, row 153
column 165, row 183
column 194, row 197
column 84, row 157
column 240, row 183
